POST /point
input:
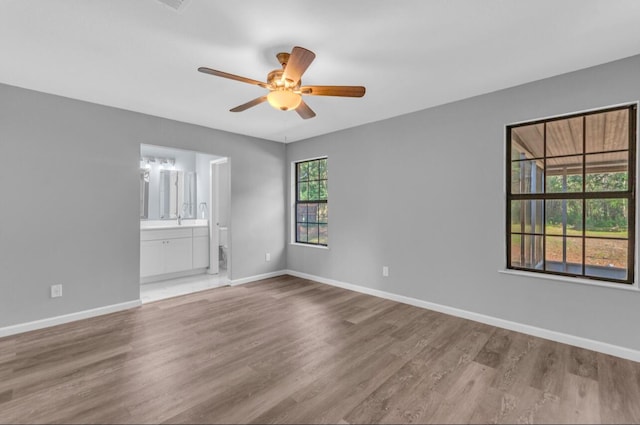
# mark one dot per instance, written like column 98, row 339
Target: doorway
column 197, row 229
column 220, row 228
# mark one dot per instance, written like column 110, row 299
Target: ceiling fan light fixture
column 284, row 100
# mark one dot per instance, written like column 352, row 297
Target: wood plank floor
column 287, row 350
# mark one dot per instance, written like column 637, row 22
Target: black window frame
column 629, row 195
column 309, row 202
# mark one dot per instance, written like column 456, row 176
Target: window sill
column 574, row 280
column 309, row 245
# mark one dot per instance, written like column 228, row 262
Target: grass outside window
column 571, row 195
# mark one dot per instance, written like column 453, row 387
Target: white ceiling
column 142, row 56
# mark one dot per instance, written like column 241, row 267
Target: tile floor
column 155, row 291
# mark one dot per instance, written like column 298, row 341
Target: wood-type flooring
column 288, row 350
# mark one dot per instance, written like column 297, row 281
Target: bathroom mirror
column 190, row 205
column 177, row 194
column 144, row 193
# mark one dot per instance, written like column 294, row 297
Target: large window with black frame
column 312, row 216
column 571, row 195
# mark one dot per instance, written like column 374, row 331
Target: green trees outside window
column 571, row 195
column 312, row 214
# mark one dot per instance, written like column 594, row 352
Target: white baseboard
column 244, row 280
column 66, row 318
column 590, row 344
column 58, row 320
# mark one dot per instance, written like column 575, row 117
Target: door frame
column 214, row 216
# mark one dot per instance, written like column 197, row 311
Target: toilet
column 223, row 243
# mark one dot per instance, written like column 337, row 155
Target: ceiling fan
column 285, row 87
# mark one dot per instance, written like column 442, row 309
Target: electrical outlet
column 267, row 256
column 385, row 271
column 56, row 291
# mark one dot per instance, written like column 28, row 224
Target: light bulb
column 284, row 100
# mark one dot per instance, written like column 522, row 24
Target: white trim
column 66, row 318
column 590, row 344
column 219, row 160
column 254, row 278
column 309, row 245
column 548, row 276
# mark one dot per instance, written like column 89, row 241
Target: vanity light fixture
column 144, row 163
column 163, row 162
column 167, row 163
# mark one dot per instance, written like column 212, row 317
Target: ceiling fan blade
column 249, row 104
column 299, row 61
column 304, row 111
column 231, row 76
column 344, row 91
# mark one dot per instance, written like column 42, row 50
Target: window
column 571, row 195
column 311, row 209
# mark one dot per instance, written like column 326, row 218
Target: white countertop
column 172, row 224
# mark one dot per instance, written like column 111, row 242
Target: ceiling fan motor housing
column 283, row 58
column 276, row 82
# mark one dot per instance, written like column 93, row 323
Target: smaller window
column 311, row 209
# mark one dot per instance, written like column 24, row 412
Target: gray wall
column 424, row 194
column 69, row 203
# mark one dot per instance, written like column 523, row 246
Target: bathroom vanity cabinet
column 200, row 247
column 173, row 250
